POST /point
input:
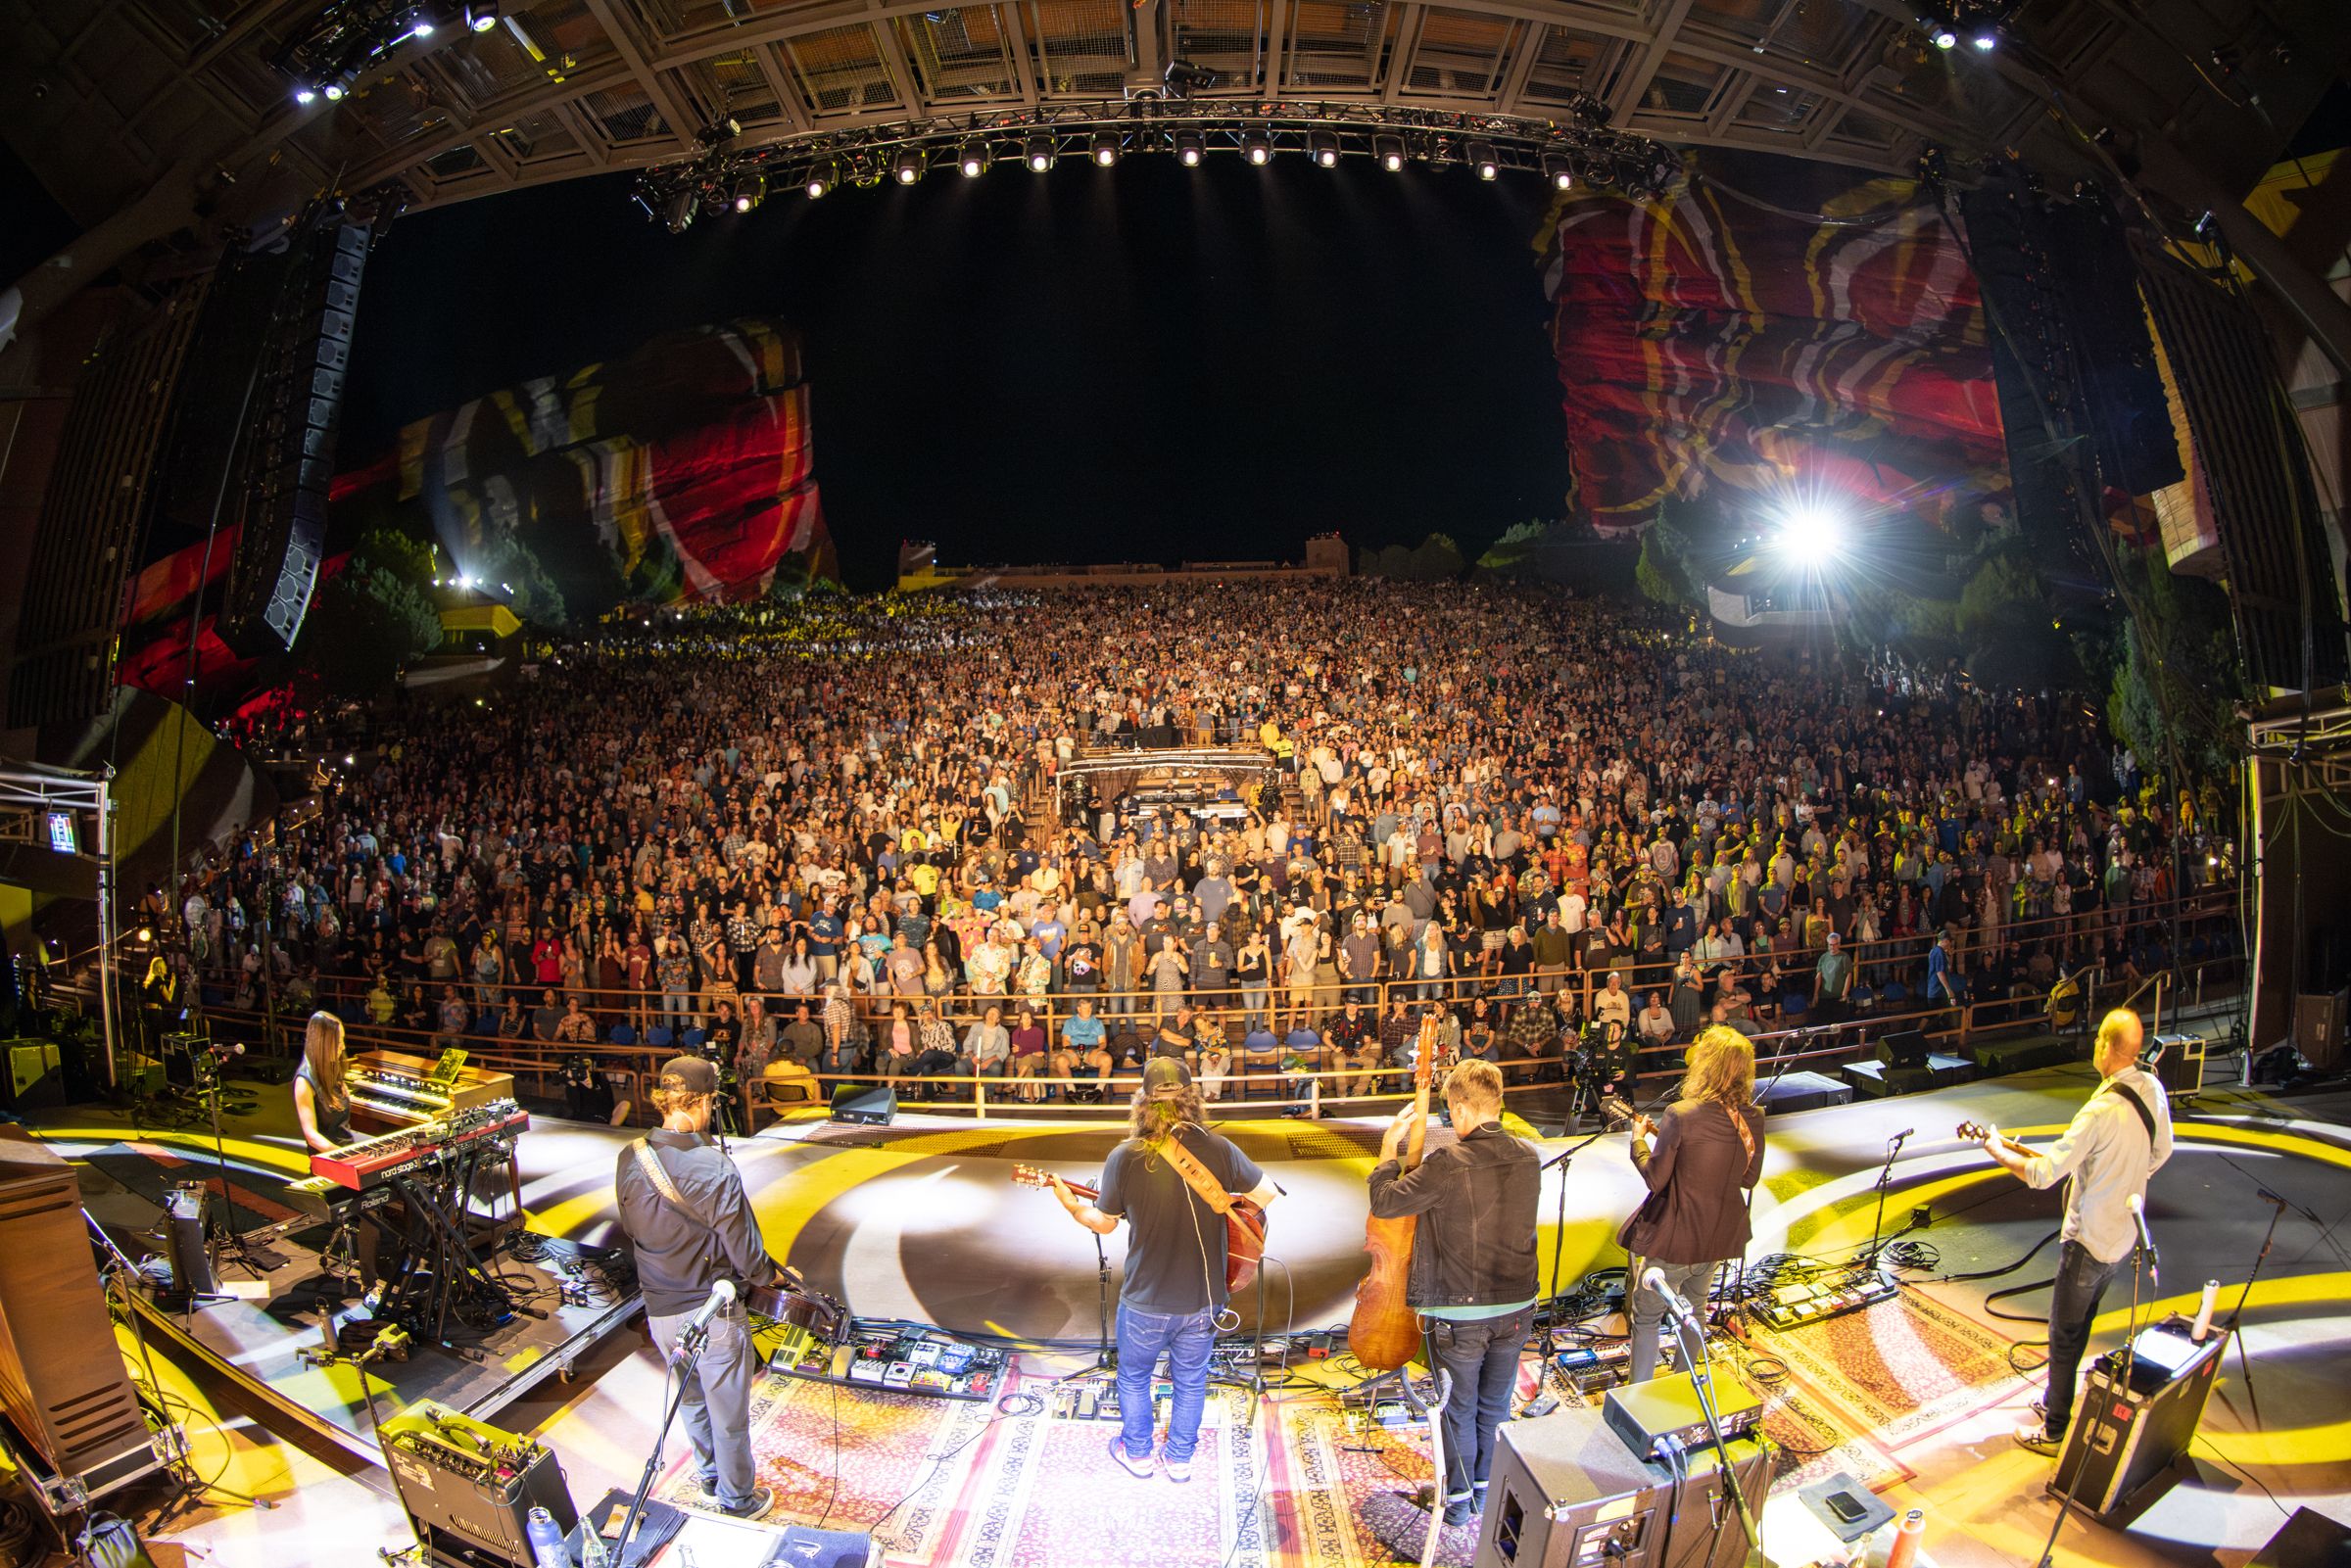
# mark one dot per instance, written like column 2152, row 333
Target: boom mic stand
column 1868, row 1256
column 1702, row 1383
column 220, row 1227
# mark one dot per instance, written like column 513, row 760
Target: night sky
column 1137, row 364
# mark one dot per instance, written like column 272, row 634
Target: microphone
column 2139, row 1214
column 1903, row 1136
column 699, row 1325
column 1654, row 1279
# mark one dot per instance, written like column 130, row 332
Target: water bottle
column 591, row 1550
column 546, row 1541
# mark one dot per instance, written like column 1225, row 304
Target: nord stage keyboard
column 372, row 1161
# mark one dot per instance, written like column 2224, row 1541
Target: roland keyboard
column 371, row 1161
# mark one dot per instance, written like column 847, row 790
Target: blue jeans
column 1186, row 1338
column 2073, row 1305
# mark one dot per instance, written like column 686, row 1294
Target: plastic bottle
column 546, row 1541
column 591, row 1550
column 2212, row 1294
column 1904, row 1550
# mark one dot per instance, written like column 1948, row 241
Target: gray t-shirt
column 1175, row 1242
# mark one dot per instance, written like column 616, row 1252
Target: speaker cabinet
column 865, row 1105
column 1564, row 1490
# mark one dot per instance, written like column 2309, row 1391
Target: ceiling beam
column 655, row 84
column 1635, row 83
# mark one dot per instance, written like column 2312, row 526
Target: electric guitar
column 1616, row 1113
column 1970, row 1132
column 1244, row 1224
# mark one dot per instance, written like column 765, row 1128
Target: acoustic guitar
column 1244, row 1225
column 1384, row 1332
column 1970, row 1132
column 786, row 1306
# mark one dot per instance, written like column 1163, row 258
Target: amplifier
column 2123, row 1437
column 183, row 1221
column 499, row 1478
column 1646, row 1414
column 32, row 1081
column 1566, row 1492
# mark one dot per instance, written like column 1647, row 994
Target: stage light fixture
column 1041, row 154
column 749, row 191
column 1558, row 171
column 1257, row 148
column 1106, row 149
column 421, row 28
column 481, row 14
column 820, row 180
column 974, row 160
column 679, row 212
column 1324, row 146
column 1811, row 532
column 1390, row 151
column 334, row 91
column 304, row 93
column 1188, row 148
column 1481, row 158
column 909, row 165
column 1944, row 39
column 1986, row 40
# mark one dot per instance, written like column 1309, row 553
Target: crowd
column 826, row 833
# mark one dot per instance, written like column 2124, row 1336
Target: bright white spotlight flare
column 1811, row 533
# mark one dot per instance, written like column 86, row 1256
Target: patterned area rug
column 904, row 1461
column 1872, row 1382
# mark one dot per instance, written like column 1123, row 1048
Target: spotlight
column 1944, row 39
column 820, row 180
column 1256, row 148
column 1390, row 151
column 680, row 214
column 334, row 91
column 973, row 161
column 1481, row 158
column 1556, row 170
column 1041, row 154
column 908, row 166
column 423, row 27
column 1188, row 148
column 1811, row 532
column 749, row 191
column 304, row 93
column 1986, row 42
column 481, row 14
column 1325, row 148
column 1106, row 149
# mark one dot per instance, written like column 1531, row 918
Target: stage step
column 1998, row 1058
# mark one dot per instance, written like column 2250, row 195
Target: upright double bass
column 1386, row 1332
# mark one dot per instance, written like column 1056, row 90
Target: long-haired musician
column 1174, row 1286
column 322, row 1094
column 1700, row 1157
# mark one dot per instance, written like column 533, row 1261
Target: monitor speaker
column 865, row 1105
column 1906, row 1048
column 2306, row 1539
column 1568, row 1493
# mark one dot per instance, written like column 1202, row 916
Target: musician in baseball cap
column 1174, row 1291
column 690, row 1226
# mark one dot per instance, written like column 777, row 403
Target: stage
column 1912, row 1398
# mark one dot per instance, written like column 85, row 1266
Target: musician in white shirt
column 2120, row 1138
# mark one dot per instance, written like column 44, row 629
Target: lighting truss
column 869, row 156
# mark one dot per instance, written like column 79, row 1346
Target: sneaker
column 2035, row 1437
column 1460, row 1511
column 758, row 1505
column 1176, row 1469
column 1140, row 1468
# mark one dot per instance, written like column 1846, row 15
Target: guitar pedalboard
column 896, row 1361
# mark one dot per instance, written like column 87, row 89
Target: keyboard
column 371, row 1161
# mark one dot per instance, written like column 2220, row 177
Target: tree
column 1659, row 574
column 1436, row 558
column 367, row 623
column 2175, row 673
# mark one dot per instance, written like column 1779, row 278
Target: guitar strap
column 1196, row 1175
column 2130, row 1097
column 651, row 1163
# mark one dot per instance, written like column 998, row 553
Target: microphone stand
column 1870, row 1255
column 2235, row 1317
column 689, row 1345
column 1558, row 1234
column 1702, row 1383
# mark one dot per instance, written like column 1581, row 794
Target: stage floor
column 1914, row 1398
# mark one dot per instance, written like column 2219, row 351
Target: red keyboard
column 372, row 1161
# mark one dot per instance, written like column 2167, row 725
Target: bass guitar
column 1384, row 1332
column 1244, row 1225
column 1970, row 1132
